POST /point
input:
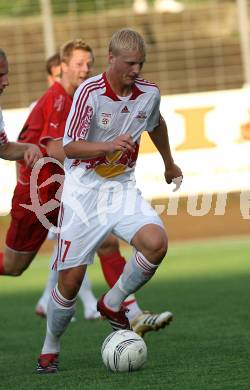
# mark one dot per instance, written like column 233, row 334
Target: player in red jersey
column 13, row 150
column 47, row 119
column 45, row 127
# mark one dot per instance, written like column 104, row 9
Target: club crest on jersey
column 141, row 116
column 105, row 120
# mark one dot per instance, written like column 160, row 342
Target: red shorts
column 26, row 233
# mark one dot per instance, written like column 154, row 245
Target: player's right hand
column 123, row 142
column 32, row 155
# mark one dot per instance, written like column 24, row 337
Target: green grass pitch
column 206, row 285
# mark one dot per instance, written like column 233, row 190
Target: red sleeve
column 55, row 111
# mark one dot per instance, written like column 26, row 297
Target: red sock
column 1, row 263
column 112, row 267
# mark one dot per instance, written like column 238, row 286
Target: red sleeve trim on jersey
column 141, row 81
column 3, row 138
column 43, row 141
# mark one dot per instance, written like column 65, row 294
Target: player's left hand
column 173, row 174
column 32, row 155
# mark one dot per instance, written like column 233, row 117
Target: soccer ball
column 124, row 351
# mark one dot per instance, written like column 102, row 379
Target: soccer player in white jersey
column 101, row 142
column 12, row 150
column 110, row 257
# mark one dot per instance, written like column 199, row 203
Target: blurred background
column 193, row 45
column 198, row 54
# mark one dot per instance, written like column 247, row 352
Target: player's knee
column 152, row 241
column 13, row 270
column 155, row 247
column 15, row 263
column 109, row 246
column 17, row 272
column 69, row 287
column 159, row 247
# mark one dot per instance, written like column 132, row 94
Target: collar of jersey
column 112, row 95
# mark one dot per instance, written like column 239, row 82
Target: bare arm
column 12, row 151
column 159, row 136
column 16, row 151
column 55, row 149
column 84, row 149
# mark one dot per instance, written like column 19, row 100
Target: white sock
column 86, row 294
column 133, row 310
column 137, row 271
column 51, row 282
column 132, row 306
column 60, row 312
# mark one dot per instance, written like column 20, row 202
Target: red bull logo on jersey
column 85, row 122
column 113, row 164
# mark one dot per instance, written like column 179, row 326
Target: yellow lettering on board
column 195, row 129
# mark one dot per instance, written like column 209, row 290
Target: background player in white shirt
column 102, row 135
column 13, row 150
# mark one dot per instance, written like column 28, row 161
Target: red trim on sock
column 1, row 263
column 60, row 300
column 127, row 303
column 112, row 267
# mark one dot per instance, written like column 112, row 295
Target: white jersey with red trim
column 3, row 135
column 98, row 114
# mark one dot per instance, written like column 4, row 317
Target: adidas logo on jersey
column 125, row 110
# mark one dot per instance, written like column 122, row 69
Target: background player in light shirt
column 102, row 135
column 13, row 150
column 45, row 127
column 111, row 260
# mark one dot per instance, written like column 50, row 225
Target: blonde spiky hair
column 127, row 39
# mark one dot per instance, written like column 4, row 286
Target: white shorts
column 86, row 220
column 51, row 235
